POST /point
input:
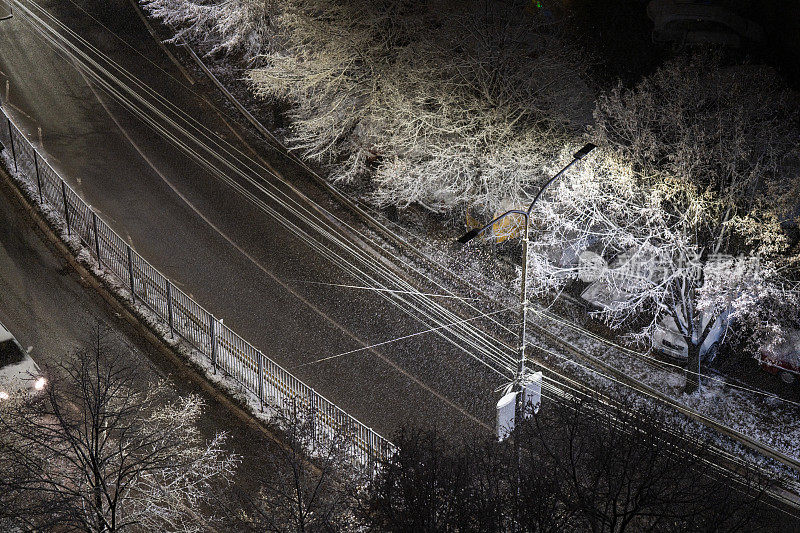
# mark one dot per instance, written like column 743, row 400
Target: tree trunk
column 692, row 369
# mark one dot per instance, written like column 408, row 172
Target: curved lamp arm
column 577, row 156
column 471, row 234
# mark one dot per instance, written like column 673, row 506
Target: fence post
column 371, row 453
column 96, row 240
column 13, row 150
column 130, row 273
column 38, row 179
column 169, row 309
column 213, row 342
column 261, row 379
column 66, row 205
column 313, row 401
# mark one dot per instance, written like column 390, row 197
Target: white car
column 671, row 343
column 19, row 373
column 666, row 339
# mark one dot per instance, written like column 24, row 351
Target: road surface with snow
column 229, row 249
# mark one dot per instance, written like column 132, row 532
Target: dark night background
column 619, row 34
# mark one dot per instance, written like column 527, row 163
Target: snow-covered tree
column 688, row 194
column 102, row 450
column 228, row 26
column 310, row 484
column 730, row 132
column 660, row 273
column 478, row 109
column 447, row 104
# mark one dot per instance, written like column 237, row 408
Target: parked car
column 670, row 343
column 666, row 340
column 19, row 373
column 784, row 360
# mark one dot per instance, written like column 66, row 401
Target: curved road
column 234, row 252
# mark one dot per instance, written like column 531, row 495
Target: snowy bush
column 443, row 103
column 228, row 26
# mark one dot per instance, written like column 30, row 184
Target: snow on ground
column 757, row 414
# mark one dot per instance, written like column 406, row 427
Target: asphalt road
column 235, row 253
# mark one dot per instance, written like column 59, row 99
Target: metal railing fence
column 227, row 351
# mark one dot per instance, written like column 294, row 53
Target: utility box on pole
column 506, row 408
column 533, row 394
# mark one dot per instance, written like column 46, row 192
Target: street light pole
column 519, row 377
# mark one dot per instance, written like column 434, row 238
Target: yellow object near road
column 507, row 228
column 502, row 230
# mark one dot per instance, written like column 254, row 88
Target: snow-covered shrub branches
column 448, row 104
column 104, row 450
column 227, row 26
